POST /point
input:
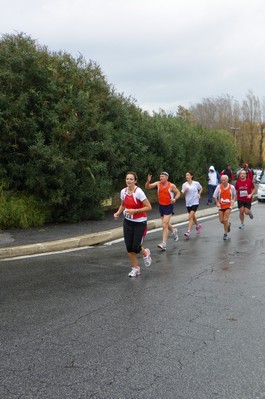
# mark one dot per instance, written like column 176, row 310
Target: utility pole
column 234, row 129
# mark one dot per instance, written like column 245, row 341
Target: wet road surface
column 190, row 326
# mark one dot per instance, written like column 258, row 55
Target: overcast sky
column 161, row 53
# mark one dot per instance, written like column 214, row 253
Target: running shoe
column 162, row 246
column 175, row 235
column 225, row 237
column 134, row 272
column 229, row 227
column 187, row 234
column 198, row 228
column 251, row 215
column 147, row 258
column 242, row 226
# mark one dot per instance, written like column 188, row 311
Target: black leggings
column 134, row 233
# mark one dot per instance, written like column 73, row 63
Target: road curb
column 89, row 239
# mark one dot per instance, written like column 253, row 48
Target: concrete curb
column 90, row 239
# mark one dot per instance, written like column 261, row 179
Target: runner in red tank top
column 245, row 190
column 224, row 196
column 167, row 196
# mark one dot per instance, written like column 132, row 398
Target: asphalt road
column 191, row 326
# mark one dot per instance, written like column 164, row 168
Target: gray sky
column 161, row 53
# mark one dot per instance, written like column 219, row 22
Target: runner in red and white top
column 245, row 189
column 134, row 205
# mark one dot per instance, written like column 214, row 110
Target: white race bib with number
column 127, row 215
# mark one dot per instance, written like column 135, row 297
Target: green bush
column 67, row 138
column 21, row 211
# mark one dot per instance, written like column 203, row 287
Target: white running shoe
column 242, row 226
column 147, row 258
column 134, row 272
column 162, row 246
column 175, row 235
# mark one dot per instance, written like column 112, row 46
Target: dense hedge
column 68, row 138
